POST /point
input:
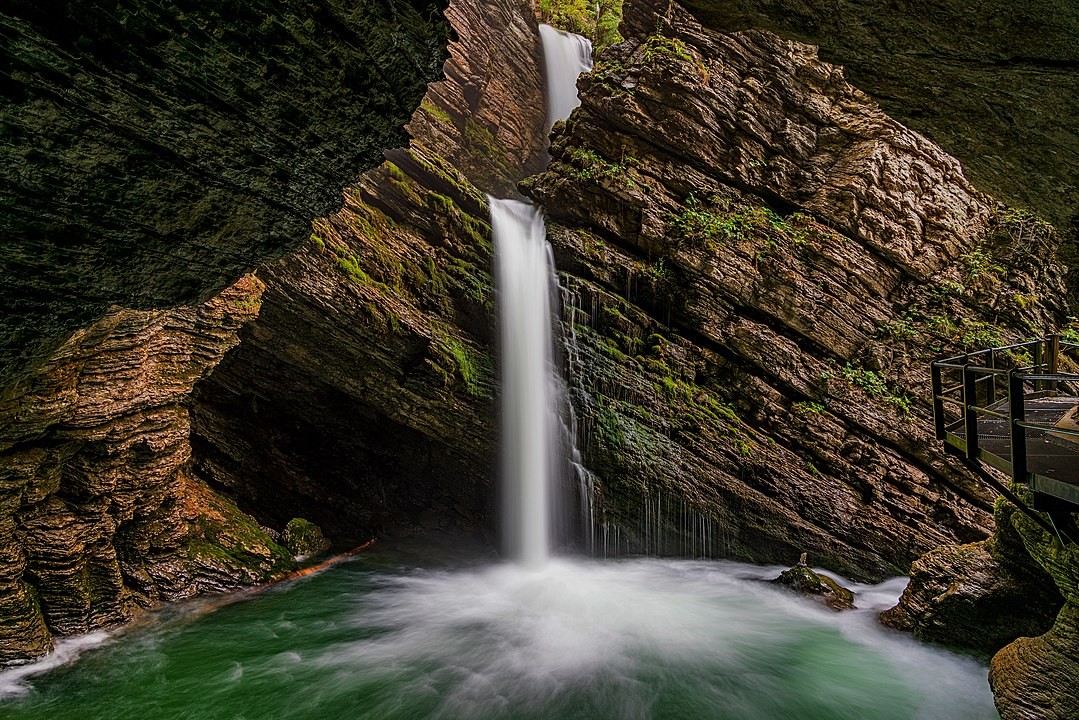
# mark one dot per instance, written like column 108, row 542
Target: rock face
column 362, row 394
column 760, row 263
column 1035, row 677
column 993, row 82
column 979, row 596
column 757, row 263
column 152, row 154
column 99, row 512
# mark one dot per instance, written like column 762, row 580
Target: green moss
column 609, row 428
column 873, row 384
column 457, row 360
column 589, row 165
column 349, row 266
column 436, row 112
column 595, row 20
column 302, row 537
column 714, row 224
column 230, row 537
column 483, row 142
column 660, row 47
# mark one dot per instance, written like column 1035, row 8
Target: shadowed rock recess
column 151, row 154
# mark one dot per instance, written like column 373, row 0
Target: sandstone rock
column 362, row 395
column 98, row 513
column 979, row 596
column 993, row 82
column 760, row 264
column 1035, row 677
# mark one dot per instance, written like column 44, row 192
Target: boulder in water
column 803, row 579
column 303, row 538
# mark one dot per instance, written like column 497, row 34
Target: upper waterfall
column 566, row 56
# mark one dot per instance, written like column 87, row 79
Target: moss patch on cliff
column 597, row 21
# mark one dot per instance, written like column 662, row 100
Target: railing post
column 970, row 403
column 938, row 402
column 991, row 391
column 1054, row 358
column 1038, row 359
column 1017, row 410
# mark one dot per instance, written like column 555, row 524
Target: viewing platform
column 1015, row 408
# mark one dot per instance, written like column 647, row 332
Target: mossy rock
column 802, row 579
column 303, row 538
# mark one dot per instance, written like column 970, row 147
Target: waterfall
column 527, row 294
column 523, row 269
column 566, row 56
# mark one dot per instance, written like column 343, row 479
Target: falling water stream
column 409, row 633
column 524, row 272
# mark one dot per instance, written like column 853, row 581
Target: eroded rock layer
column 979, row 596
column 993, row 82
column 761, row 264
column 98, row 512
column 1033, row 678
column 363, row 392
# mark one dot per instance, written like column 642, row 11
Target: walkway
column 1024, row 418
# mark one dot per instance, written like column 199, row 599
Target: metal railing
column 998, row 384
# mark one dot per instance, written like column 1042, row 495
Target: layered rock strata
column 1013, row 595
column 979, row 596
column 98, row 511
column 362, row 394
column 994, row 82
column 152, row 155
column 758, row 263
column 761, row 263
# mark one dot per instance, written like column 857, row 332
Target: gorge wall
column 992, row 82
column 152, row 155
column 757, row 264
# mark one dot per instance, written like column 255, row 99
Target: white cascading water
column 527, row 290
column 565, row 56
column 523, row 272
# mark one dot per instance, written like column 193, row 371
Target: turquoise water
column 377, row 638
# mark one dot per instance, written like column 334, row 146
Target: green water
column 373, row 638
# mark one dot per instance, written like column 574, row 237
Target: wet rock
column 1035, row 677
column 802, row 579
column 993, row 82
column 979, row 596
column 757, row 263
column 362, row 395
column 100, row 516
column 303, row 538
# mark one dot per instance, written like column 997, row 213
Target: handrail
column 973, row 392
